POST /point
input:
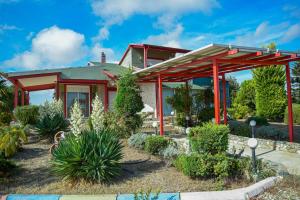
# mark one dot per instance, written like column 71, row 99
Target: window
column 80, row 94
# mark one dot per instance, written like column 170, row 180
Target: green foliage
column 170, row 153
column 270, row 95
column 155, row 144
column 209, row 138
column 203, row 100
column 296, row 82
column 6, row 166
column 128, row 101
column 27, row 114
column 239, row 128
column 207, row 165
column 244, row 103
column 6, row 96
column 206, row 114
column 115, row 124
column 147, row 195
column 94, row 156
column 48, row 125
column 5, row 118
column 296, row 114
column 269, row 132
column 233, row 87
column 11, row 138
column 260, row 121
column 182, row 100
column 138, row 140
column 180, row 119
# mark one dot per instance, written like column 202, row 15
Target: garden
column 42, row 152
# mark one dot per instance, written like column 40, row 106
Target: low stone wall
column 266, row 144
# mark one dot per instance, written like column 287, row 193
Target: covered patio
column 216, row 60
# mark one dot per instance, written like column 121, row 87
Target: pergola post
column 65, row 100
column 290, row 107
column 161, row 112
column 16, row 94
column 23, row 97
column 57, row 90
column 105, row 97
column 145, row 57
column 224, row 98
column 216, row 91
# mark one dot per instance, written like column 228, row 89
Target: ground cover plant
column 93, row 156
column 239, row 128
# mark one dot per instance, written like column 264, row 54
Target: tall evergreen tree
column 296, row 82
column 270, row 94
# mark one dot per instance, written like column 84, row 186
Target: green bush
column 296, row 114
column 11, row 139
column 260, row 121
column 27, row 114
column 6, row 167
column 206, row 114
column 117, row 125
column 48, row 125
column 138, row 140
column 5, row 118
column 170, row 152
column 180, row 119
column 269, row 132
column 209, row 138
column 207, row 165
column 239, row 128
column 239, row 111
column 93, row 156
column 155, row 144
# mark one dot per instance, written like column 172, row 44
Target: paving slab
column 32, row 197
column 162, row 196
column 89, row 197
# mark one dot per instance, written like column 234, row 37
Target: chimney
column 103, row 57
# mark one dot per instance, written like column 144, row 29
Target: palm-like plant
column 92, row 155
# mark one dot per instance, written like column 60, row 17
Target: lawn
column 34, row 176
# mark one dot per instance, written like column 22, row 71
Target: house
column 98, row 78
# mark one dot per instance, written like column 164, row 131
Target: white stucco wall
column 149, row 97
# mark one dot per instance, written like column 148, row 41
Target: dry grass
column 34, row 176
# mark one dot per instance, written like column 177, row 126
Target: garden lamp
column 252, row 124
column 213, row 120
column 172, row 114
column 188, row 130
column 187, row 118
column 252, row 143
column 155, row 125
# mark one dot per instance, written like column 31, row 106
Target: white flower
column 76, row 119
column 97, row 115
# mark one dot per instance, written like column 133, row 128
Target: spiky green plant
column 93, row 156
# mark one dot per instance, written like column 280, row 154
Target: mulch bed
column 34, row 176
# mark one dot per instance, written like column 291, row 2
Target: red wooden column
column 16, row 94
column 290, row 107
column 23, row 97
column 156, row 97
column 216, row 91
column 161, row 112
column 224, row 99
column 65, row 100
column 105, row 97
column 57, row 90
column 145, row 56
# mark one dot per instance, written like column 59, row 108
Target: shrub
column 11, row 139
column 169, row 153
column 6, row 166
column 260, row 121
column 296, row 114
column 206, row 114
column 138, row 140
column 270, row 132
column 51, row 108
column 27, row 114
column 239, row 111
column 207, row 165
column 94, row 156
column 116, row 125
column 48, row 126
column 239, row 128
column 209, row 138
column 180, row 119
column 5, row 118
column 154, row 144
column 97, row 116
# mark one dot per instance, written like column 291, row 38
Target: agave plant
column 11, row 139
column 92, row 155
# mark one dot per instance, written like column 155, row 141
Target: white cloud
column 292, row 33
column 5, row 27
column 52, row 47
column 103, row 34
column 170, row 38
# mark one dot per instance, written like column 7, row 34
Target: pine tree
column 97, row 115
column 77, row 119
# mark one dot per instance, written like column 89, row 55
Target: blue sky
column 37, row 34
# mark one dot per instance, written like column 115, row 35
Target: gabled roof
column 95, row 72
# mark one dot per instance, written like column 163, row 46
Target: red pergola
column 216, row 60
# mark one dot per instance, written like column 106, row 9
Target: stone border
column 267, row 144
column 236, row 194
